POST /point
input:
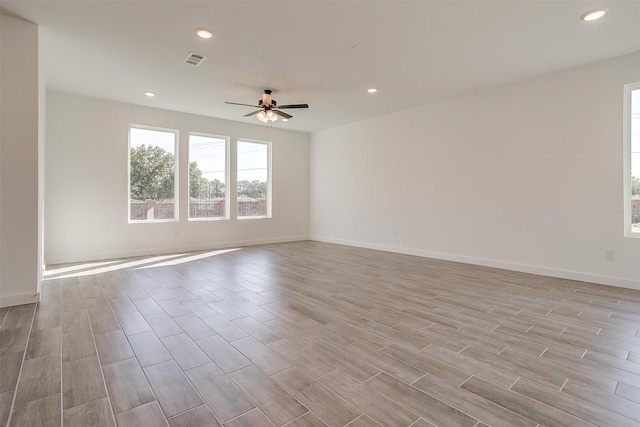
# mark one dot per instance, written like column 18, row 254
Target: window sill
column 152, row 221
column 216, row 218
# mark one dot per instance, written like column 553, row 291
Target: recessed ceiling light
column 372, row 90
column 150, row 94
column 203, row 33
column 594, row 14
column 285, row 120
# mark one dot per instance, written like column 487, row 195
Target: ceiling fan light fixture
column 594, row 14
column 204, row 33
column 266, row 116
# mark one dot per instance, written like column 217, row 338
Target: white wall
column 86, row 181
column 526, row 176
column 19, row 166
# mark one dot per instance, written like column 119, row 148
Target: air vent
column 194, row 59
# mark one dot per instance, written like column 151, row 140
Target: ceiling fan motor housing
column 266, row 99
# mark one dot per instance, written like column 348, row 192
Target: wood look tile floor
column 314, row 334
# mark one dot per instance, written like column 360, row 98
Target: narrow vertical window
column 632, row 159
column 253, row 178
column 208, row 177
column 152, row 174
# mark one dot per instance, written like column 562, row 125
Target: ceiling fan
column 269, row 110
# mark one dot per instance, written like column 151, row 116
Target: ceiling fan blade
column 245, row 105
column 251, row 114
column 294, row 106
column 282, row 114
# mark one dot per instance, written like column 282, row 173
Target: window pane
column 207, row 177
column 635, row 160
column 253, row 173
column 152, row 174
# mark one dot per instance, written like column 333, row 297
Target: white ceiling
column 324, row 53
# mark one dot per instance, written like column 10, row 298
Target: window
column 632, row 159
column 207, row 177
column 254, row 179
column 152, row 174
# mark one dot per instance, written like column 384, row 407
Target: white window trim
column 627, row 158
column 227, row 177
column 269, row 180
column 176, row 189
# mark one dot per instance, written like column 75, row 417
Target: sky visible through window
column 209, row 154
column 164, row 140
column 252, row 161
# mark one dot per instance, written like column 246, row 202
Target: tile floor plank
column 419, row 402
column 261, row 355
column 223, row 397
column 133, row 323
column 479, row 369
column 173, row 391
column 307, row 420
column 253, row 418
column 6, row 398
column 127, row 385
column 305, row 359
column 377, row 406
column 148, row 415
column 628, row 392
column 185, row 351
column 42, row 412
column 333, row 410
column 148, row 349
column 197, row 417
column 40, row 378
column 471, row 404
column 602, row 399
column 529, row 408
column 270, row 398
column 163, row 325
column 77, row 345
column 223, row 354
column 194, row 327
column 96, row 413
column 44, row 343
column 74, row 320
column 449, row 373
column 227, row 329
column 570, row 405
column 385, row 363
column 82, row 381
column 112, row 347
column 258, row 330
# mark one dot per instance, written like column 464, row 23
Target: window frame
column 269, row 203
column 176, row 181
column 227, row 177
column 628, row 88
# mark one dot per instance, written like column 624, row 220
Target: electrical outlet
column 609, row 255
column 176, row 233
column 382, row 168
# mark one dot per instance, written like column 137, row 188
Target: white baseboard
column 524, row 268
column 95, row 256
column 19, row 299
